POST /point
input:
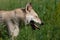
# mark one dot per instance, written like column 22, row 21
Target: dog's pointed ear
column 28, row 7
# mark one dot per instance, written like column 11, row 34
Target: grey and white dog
column 27, row 15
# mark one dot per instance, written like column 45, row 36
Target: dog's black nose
column 42, row 23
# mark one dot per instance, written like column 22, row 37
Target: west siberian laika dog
column 27, row 15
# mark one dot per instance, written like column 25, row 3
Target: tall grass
column 49, row 13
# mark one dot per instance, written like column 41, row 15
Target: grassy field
column 48, row 11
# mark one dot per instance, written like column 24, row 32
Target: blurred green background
column 48, row 11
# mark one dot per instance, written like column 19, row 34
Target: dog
column 12, row 18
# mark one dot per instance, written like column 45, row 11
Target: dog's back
column 7, row 15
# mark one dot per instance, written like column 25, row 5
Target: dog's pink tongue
column 36, row 26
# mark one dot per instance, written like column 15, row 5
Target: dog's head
column 31, row 15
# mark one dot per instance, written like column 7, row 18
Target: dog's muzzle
column 34, row 26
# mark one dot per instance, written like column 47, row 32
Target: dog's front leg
column 13, row 29
column 16, row 31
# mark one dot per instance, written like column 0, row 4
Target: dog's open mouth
column 33, row 25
